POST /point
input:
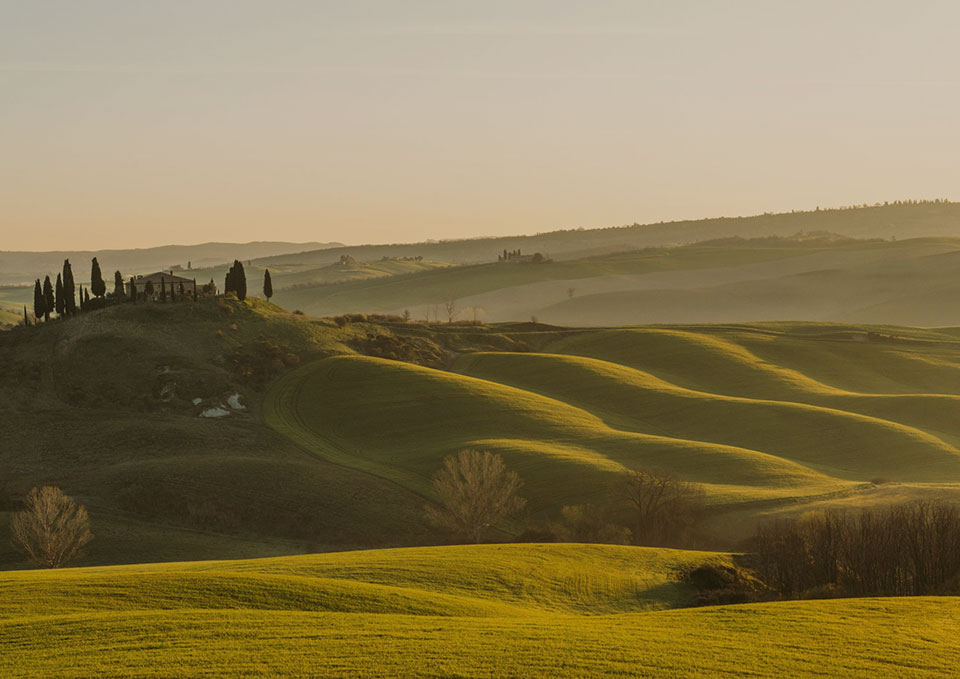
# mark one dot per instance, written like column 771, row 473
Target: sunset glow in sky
column 126, row 123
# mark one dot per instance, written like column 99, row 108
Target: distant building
column 167, row 278
column 518, row 257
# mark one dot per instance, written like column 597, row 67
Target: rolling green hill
column 335, row 441
column 103, row 406
column 478, row 611
column 761, row 415
column 910, row 282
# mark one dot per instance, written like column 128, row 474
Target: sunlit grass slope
column 843, row 443
column 770, row 413
column 460, row 580
column 477, row 611
column 399, row 420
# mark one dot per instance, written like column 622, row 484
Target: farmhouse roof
column 166, row 276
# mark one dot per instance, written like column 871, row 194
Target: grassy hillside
column 103, row 405
column 337, row 440
column 912, row 282
column 479, row 611
column 761, row 415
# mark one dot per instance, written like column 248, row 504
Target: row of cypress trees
column 65, row 298
column 62, row 297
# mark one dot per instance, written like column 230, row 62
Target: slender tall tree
column 86, row 297
column 181, row 291
column 133, row 289
column 69, row 289
column 49, row 301
column 241, row 282
column 117, row 285
column 194, row 289
column 26, row 319
column 59, row 302
column 39, row 306
column 163, row 290
column 97, row 285
column 148, row 289
column 267, row 285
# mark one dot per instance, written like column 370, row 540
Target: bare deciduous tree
column 663, row 508
column 476, row 492
column 450, row 306
column 52, row 529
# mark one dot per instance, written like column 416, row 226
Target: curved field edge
column 834, row 441
column 853, row 639
column 281, row 412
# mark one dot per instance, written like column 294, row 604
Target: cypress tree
column 59, row 302
column 148, row 289
column 117, row 285
column 48, row 298
column 26, row 319
column 39, row 306
column 69, row 289
column 86, row 297
column 228, row 285
column 241, row 282
column 163, row 290
column 96, row 279
column 267, row 285
column 133, row 289
column 80, row 295
column 194, row 289
column 181, row 291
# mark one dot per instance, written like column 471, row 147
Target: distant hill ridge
column 24, row 266
column 894, row 220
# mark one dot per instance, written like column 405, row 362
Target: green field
column 339, row 452
column 477, row 611
column 760, row 415
column 910, row 282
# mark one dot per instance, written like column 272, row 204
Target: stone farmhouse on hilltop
column 169, row 278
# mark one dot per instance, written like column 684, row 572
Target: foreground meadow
column 479, row 611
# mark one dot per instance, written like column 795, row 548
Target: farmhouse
column 168, row 278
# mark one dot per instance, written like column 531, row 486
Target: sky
column 134, row 123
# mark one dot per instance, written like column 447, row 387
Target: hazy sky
column 129, row 123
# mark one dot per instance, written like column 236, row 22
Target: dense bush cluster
column 260, row 361
column 906, row 549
